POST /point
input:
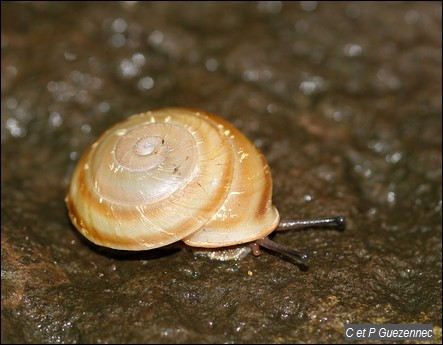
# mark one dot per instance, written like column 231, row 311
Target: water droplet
column 389, row 79
column 155, row 38
column 412, row 17
column 73, row 155
column 270, row 6
column 128, row 69
column 352, row 50
column 85, row 128
column 271, row 108
column 69, row 56
column 104, row 107
column 308, row 6
column 55, row 119
column 15, row 128
column 312, row 85
column 118, row 40
column 119, row 25
column 377, row 145
column 129, row 4
column 52, row 86
column 11, row 103
column 138, row 59
column 211, row 64
column 391, row 197
column 146, row 83
column 250, row 75
column 393, row 158
column 11, row 71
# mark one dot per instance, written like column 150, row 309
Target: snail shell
column 168, row 175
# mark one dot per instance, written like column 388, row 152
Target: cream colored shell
column 168, row 175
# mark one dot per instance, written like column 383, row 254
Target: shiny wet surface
column 343, row 99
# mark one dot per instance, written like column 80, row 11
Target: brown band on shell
column 266, row 195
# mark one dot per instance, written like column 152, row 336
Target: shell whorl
column 168, row 175
column 144, row 163
column 140, row 152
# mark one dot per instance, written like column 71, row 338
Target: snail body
column 169, row 175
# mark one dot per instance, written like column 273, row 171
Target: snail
column 177, row 174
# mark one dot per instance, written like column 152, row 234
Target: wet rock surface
column 343, row 99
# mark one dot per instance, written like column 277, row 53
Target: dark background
column 344, row 100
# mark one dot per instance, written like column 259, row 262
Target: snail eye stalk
column 298, row 256
column 303, row 224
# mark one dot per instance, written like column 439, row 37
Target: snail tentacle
column 267, row 243
column 302, row 224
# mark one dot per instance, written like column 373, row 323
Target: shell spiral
column 168, row 175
